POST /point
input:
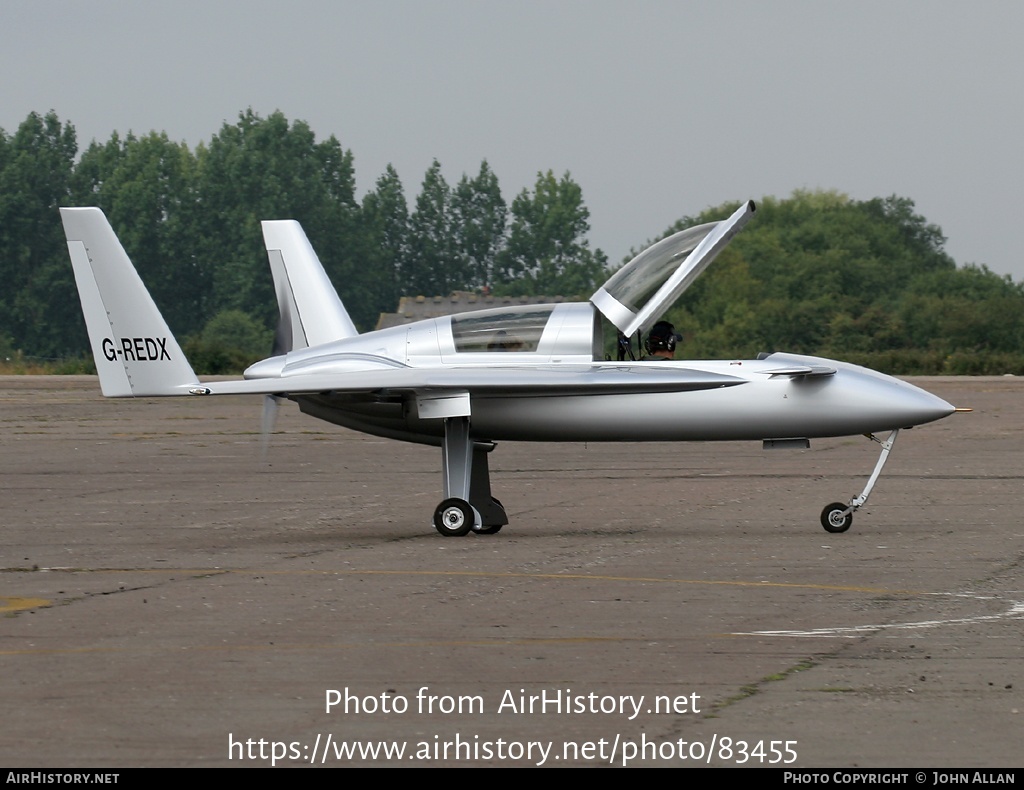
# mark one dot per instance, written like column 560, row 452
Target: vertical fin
column 311, row 312
column 134, row 350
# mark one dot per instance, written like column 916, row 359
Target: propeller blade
column 271, row 404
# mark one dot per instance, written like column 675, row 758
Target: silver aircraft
column 519, row 373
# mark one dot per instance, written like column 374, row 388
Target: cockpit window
column 637, row 281
column 502, row 329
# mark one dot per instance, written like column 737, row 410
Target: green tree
column 269, row 168
column 819, row 273
column 230, row 342
column 35, row 178
column 433, row 265
column 96, row 165
column 146, row 187
column 479, row 219
column 237, row 331
column 548, row 251
column 385, row 221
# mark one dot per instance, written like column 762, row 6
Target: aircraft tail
column 135, row 352
column 311, row 312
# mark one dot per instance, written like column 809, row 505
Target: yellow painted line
column 642, row 579
column 494, row 575
column 19, row 604
column 571, row 640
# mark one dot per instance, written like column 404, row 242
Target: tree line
column 818, row 273
column 190, row 221
column 865, row 281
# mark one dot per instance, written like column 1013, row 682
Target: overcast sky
column 657, row 109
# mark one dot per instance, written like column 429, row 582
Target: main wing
column 526, row 381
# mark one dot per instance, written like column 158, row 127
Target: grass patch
column 752, row 689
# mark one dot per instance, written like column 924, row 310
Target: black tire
column 489, row 530
column 454, row 518
column 833, row 520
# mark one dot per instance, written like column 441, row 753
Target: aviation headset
column 662, row 337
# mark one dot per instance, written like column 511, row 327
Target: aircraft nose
column 930, row 407
column 911, row 405
column 862, row 400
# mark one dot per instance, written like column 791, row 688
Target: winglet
column 135, row 352
column 311, row 312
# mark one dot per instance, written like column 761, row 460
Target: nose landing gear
column 838, row 517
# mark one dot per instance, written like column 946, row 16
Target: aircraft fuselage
column 754, row 405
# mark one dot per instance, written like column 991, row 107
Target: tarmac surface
column 172, row 599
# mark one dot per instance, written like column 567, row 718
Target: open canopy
column 638, row 293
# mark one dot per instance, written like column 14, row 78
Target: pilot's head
column 661, row 340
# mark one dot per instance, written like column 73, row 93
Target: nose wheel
column 836, row 517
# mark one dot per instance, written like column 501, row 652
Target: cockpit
column 509, row 329
column 632, row 299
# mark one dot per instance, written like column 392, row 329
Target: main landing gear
column 468, row 505
column 838, row 517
